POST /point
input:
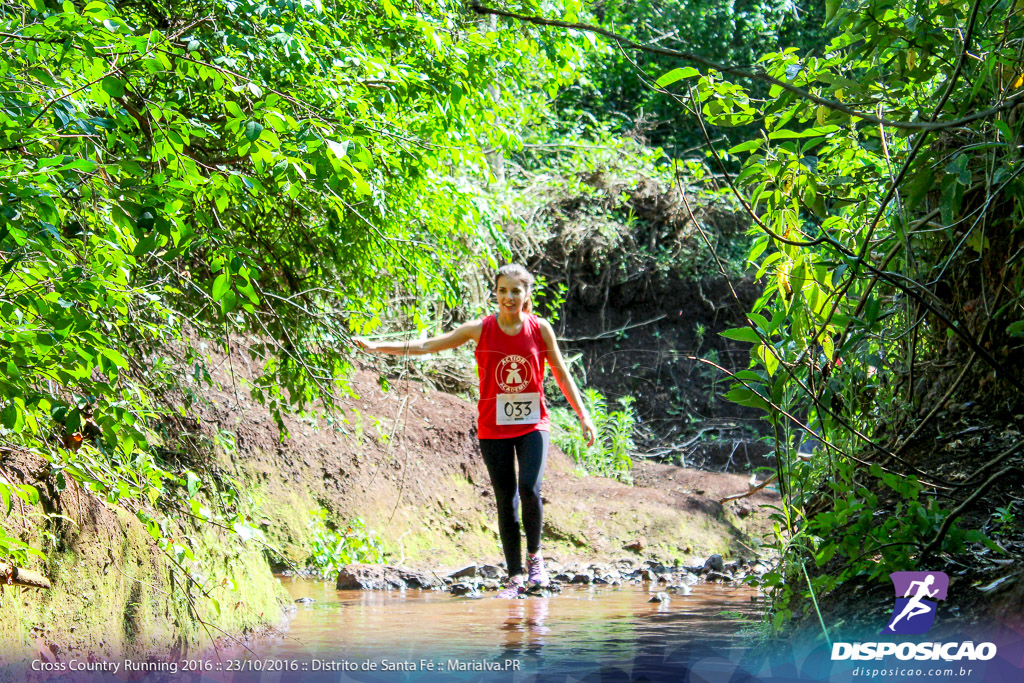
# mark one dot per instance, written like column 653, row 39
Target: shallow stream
column 426, row 635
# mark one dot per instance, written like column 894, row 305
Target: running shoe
column 537, row 576
column 515, row 588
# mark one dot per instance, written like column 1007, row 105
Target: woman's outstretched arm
column 565, row 382
column 417, row 347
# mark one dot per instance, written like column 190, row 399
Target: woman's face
column 512, row 294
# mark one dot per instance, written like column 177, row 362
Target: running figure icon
column 917, row 597
column 915, row 607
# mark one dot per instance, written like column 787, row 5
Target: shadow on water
column 583, row 629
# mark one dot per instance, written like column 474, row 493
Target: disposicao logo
column 916, row 593
column 917, row 596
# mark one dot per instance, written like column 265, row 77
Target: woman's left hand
column 589, row 430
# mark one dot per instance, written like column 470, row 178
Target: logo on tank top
column 513, row 374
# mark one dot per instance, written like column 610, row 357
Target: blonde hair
column 518, row 272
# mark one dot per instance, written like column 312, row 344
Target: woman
column 512, row 421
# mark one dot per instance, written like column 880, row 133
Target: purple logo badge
column 916, row 596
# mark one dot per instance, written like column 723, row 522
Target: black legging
column 500, row 457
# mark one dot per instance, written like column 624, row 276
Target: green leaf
column 227, row 304
column 747, row 146
column 958, row 167
column 221, row 200
column 340, row 149
column 676, row 75
column 785, row 134
column 743, row 334
column 253, row 129
column 1016, row 329
column 221, row 285
column 746, row 397
column 14, row 260
column 114, row 357
column 750, row 376
column 29, row 494
column 86, row 165
column 831, row 7
column 245, row 531
column 758, row 249
column 951, row 198
column 767, row 356
column 9, row 415
column 192, row 483
column 113, row 86
column 248, row 290
column 759, row 320
column 361, row 186
column 828, row 346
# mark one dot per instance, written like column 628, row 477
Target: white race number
column 518, row 409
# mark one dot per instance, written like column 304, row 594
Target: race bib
column 518, row 409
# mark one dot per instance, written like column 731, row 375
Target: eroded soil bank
column 113, row 591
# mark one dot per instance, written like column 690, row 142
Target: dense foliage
column 283, row 170
column 885, row 189
column 332, row 549
column 618, row 87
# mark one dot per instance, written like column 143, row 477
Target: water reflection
column 583, row 627
column 524, row 629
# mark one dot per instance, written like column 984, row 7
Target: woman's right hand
column 365, row 344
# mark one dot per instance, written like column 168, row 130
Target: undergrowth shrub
column 330, row 549
column 877, row 522
column 609, row 455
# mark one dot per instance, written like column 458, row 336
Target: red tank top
column 511, row 370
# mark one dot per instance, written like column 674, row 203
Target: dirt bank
column 651, row 343
column 114, row 593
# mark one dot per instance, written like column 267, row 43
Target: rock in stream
column 370, row 577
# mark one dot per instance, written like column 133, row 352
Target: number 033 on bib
column 518, row 409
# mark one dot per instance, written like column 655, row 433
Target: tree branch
column 753, row 75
